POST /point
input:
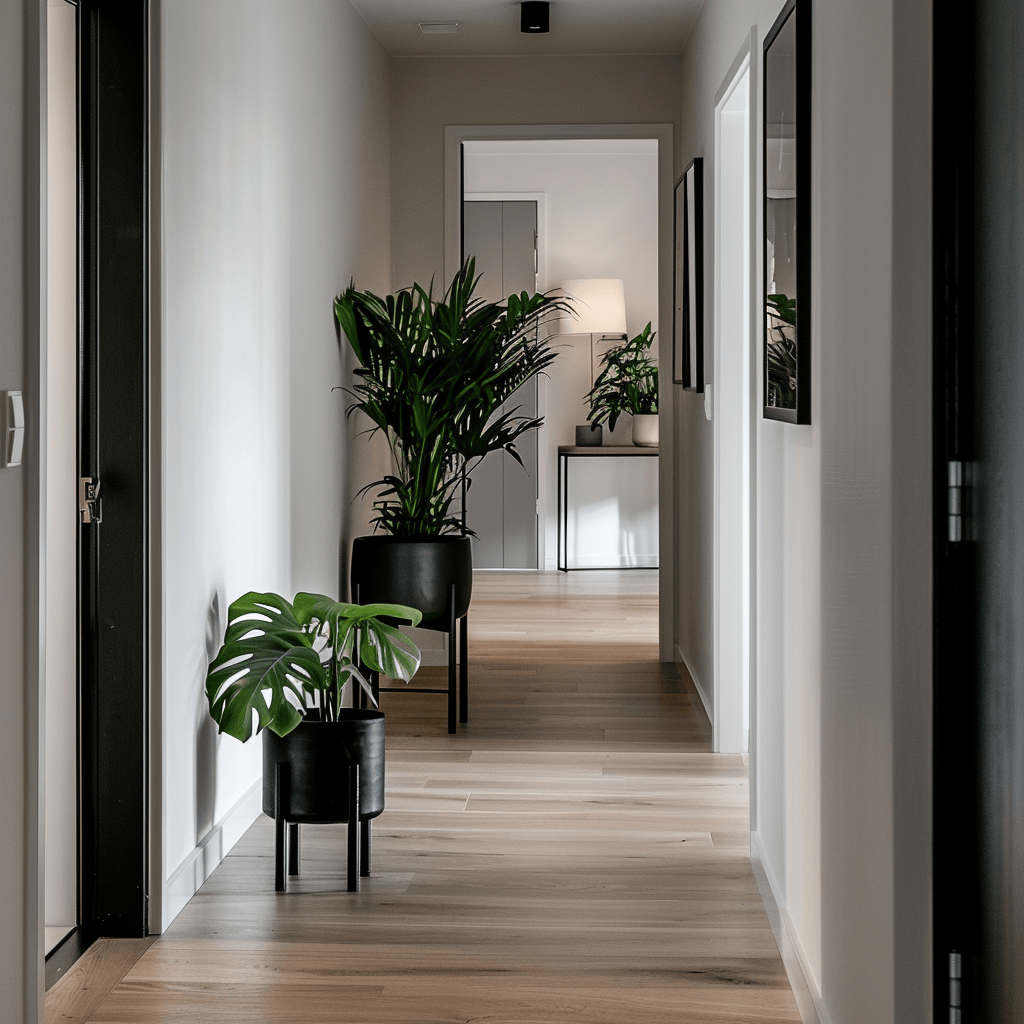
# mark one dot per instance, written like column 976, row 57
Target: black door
column 979, row 734
column 113, row 437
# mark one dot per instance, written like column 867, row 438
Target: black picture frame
column 786, row 183
column 688, row 327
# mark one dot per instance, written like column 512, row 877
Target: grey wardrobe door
column 501, row 506
column 482, row 238
column 520, row 488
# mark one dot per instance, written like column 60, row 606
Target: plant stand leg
column 293, row 848
column 464, row 669
column 364, row 848
column 280, row 829
column 353, row 828
column 451, row 659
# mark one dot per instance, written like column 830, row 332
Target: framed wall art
column 787, row 223
column 688, row 349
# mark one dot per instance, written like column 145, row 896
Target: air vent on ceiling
column 439, row 28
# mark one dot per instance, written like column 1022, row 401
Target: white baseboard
column 705, row 698
column 794, row 959
column 198, row 865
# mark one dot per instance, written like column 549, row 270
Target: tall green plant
column 628, row 382
column 432, row 375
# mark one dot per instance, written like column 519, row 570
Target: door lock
column 90, row 506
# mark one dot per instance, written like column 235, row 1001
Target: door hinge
column 90, row 506
column 960, row 501
column 955, row 987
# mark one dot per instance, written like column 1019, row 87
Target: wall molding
column 798, row 970
column 705, row 697
column 199, row 864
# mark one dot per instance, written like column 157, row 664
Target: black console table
column 569, row 452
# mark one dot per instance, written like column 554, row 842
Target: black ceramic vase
column 318, row 755
column 418, row 572
column 315, row 774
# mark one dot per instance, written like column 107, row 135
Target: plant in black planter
column 432, row 376
column 287, row 664
column 628, row 382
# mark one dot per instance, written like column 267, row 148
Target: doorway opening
column 597, row 217
column 733, row 414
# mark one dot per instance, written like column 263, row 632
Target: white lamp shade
column 599, row 304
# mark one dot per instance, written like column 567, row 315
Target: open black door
column 113, row 437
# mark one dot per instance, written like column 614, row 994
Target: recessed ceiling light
column 534, row 16
column 439, row 28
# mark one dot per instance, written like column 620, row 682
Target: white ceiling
column 491, row 27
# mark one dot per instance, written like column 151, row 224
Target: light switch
column 709, row 404
column 14, row 427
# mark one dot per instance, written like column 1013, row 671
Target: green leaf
column 244, row 670
column 432, row 374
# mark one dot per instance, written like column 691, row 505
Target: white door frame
column 735, row 412
column 454, row 136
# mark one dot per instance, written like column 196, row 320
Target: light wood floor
column 574, row 854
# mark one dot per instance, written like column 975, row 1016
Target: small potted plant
column 628, row 382
column 287, row 664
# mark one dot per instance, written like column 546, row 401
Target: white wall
column 600, row 219
column 274, row 187
column 431, row 92
column 841, row 503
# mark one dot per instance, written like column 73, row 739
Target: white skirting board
column 703, row 693
column 801, row 978
column 197, row 867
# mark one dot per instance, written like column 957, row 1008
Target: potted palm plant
column 628, row 382
column 287, row 664
column 432, row 376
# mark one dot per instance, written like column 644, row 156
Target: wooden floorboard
column 574, row 854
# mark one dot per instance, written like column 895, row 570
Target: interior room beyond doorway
column 597, row 217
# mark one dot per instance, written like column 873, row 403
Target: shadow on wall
column 206, row 728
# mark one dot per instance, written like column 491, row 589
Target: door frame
column 727, row 717
column 454, row 137
column 113, row 444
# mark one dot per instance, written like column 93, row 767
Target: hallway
column 573, row 854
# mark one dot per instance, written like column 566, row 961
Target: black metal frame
column 566, row 452
column 286, row 833
column 801, row 10
column 456, row 636
column 688, row 351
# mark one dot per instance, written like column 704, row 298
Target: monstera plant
column 287, row 664
column 283, row 661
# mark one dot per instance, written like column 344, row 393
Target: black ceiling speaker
column 534, row 16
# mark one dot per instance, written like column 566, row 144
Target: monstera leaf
column 278, row 656
column 382, row 648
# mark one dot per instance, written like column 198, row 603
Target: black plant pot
column 320, row 773
column 418, row 572
column 433, row 574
